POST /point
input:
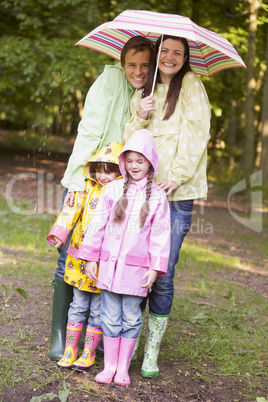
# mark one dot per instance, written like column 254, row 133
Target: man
column 106, row 111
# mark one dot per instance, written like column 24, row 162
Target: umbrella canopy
column 209, row 51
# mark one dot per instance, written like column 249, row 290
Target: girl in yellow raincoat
column 99, row 171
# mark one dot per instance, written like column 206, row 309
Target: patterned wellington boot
column 111, row 349
column 125, row 353
column 87, row 359
column 157, row 325
column 135, row 351
column 73, row 334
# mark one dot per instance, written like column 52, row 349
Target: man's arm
column 92, row 127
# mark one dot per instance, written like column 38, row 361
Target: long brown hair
column 121, row 205
column 175, row 83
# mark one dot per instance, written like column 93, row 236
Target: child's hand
column 151, row 275
column 91, row 270
column 57, row 241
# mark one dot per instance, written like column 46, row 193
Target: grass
column 219, row 322
column 218, row 326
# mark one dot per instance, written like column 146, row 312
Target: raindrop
column 28, row 156
column 48, row 154
column 50, row 176
column 44, row 144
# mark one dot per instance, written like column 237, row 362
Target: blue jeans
column 161, row 295
column 120, row 315
column 60, row 270
column 82, row 302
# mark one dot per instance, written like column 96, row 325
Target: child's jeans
column 81, row 304
column 120, row 315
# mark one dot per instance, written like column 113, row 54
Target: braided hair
column 121, row 205
column 146, row 207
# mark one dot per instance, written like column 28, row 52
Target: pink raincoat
column 125, row 251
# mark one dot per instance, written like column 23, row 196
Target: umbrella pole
column 157, row 63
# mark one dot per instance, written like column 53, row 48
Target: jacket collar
column 141, row 183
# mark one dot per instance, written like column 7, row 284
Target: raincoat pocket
column 137, row 260
column 104, row 255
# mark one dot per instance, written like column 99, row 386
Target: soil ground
column 35, row 176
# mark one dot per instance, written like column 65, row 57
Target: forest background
column 45, row 77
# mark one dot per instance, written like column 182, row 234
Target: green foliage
column 7, row 292
column 62, row 395
column 45, row 77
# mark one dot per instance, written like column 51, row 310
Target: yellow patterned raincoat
column 81, row 214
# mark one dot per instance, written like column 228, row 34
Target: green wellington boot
column 62, row 297
column 157, row 325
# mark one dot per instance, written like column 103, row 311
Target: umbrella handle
column 157, row 63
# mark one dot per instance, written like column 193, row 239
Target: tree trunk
column 254, row 6
column 264, row 121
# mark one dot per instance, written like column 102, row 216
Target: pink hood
column 141, row 141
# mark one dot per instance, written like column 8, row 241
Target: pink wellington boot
column 73, row 334
column 87, row 359
column 125, row 354
column 111, row 349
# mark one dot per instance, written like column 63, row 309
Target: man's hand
column 151, row 275
column 69, row 199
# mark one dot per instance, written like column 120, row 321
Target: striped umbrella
column 209, row 51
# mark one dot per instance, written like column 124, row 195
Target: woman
column 178, row 116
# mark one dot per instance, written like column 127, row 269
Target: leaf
column 202, row 318
column 229, row 295
column 22, row 292
column 50, row 396
column 4, row 289
column 63, row 395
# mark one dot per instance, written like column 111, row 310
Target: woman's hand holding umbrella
column 146, row 106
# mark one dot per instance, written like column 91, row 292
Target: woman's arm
column 159, row 245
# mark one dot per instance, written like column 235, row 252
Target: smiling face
column 171, row 59
column 136, row 165
column 136, row 67
column 104, row 177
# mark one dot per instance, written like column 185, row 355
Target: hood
column 141, row 141
column 109, row 153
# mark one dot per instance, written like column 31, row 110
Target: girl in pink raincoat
column 129, row 236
